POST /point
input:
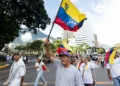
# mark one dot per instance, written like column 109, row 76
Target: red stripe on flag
column 64, row 25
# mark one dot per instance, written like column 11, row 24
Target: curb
column 4, row 66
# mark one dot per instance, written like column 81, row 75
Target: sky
column 104, row 16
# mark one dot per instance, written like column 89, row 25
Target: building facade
column 85, row 34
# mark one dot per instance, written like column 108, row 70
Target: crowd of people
column 78, row 72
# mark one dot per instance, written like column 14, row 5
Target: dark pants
column 102, row 64
column 93, row 83
column 88, row 84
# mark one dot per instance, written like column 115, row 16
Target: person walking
column 17, row 72
column 39, row 67
column 86, row 69
column 66, row 74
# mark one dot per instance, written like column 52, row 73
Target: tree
column 83, row 47
column 37, row 45
column 101, row 50
column 57, row 43
column 13, row 13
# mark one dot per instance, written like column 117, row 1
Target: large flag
column 68, row 17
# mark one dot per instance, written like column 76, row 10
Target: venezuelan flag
column 110, row 56
column 68, row 17
column 64, row 47
column 107, row 57
column 60, row 49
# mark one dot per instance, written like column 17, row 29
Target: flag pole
column 53, row 22
column 67, row 37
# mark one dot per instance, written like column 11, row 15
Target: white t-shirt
column 88, row 77
column 115, row 68
column 17, row 79
column 67, row 76
column 39, row 65
column 24, row 58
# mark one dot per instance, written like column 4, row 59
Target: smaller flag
column 112, row 56
column 66, row 46
column 107, row 57
column 60, row 49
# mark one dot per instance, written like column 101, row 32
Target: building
column 68, row 34
column 85, row 34
column 71, row 42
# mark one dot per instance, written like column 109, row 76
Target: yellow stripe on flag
column 72, row 11
column 111, row 60
column 64, row 43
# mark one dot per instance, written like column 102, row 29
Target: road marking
column 108, row 82
column 32, row 83
column 4, row 66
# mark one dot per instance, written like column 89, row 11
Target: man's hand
column 46, row 42
column 110, row 77
column 47, row 50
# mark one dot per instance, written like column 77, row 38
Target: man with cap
column 66, row 74
column 17, row 71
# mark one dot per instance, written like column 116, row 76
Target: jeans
column 116, row 81
column 39, row 76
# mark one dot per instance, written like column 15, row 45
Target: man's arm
column 109, row 75
column 22, row 79
column 47, row 50
column 108, row 71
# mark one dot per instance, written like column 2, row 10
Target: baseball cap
column 65, row 53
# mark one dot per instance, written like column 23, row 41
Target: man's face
column 89, row 58
column 83, row 59
column 16, row 57
column 65, row 60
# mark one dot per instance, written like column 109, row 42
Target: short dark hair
column 16, row 54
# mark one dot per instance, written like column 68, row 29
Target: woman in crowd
column 39, row 67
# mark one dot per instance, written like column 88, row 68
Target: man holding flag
column 66, row 74
column 69, row 18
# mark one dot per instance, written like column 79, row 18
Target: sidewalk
column 3, row 65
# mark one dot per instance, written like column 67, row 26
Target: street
column 101, row 76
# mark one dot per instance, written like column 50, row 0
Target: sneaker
column 45, row 83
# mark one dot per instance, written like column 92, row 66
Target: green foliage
column 57, row 43
column 101, row 50
column 13, row 13
column 35, row 46
column 83, row 47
